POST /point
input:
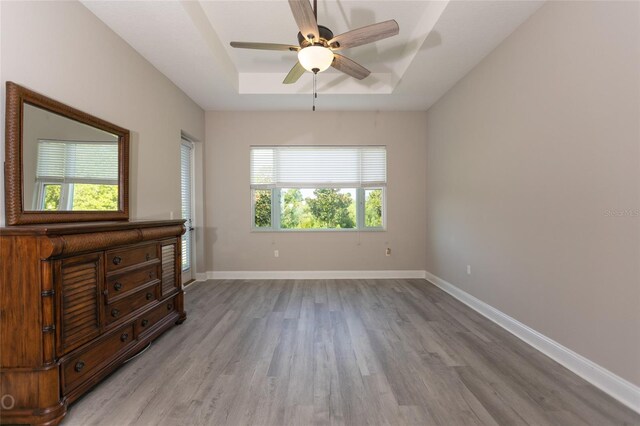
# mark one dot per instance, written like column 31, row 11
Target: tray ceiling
column 188, row 41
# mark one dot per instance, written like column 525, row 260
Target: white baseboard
column 201, row 276
column 311, row 275
column 619, row 388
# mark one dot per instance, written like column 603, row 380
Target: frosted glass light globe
column 315, row 57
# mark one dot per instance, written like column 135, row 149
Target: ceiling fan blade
column 295, row 73
column 347, row 66
column 305, row 18
column 264, row 46
column 365, row 35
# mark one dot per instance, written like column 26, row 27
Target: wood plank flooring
column 344, row 352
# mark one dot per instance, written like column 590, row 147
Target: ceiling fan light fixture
column 315, row 58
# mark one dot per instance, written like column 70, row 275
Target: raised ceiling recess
column 189, row 41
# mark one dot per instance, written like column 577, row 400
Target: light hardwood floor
column 350, row 352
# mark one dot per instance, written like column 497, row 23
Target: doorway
column 186, row 189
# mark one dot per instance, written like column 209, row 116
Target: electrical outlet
column 276, row 253
column 468, row 269
column 387, row 252
column 170, row 215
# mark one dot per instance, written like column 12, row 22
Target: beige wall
column 231, row 246
column 62, row 50
column 530, row 159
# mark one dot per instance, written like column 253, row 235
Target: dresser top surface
column 85, row 227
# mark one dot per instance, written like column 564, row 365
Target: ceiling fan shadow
column 361, row 17
column 433, row 40
column 327, row 17
column 400, row 51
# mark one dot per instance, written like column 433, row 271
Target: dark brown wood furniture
column 78, row 296
column 78, row 300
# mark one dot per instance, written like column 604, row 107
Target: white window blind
column 185, row 190
column 77, row 162
column 318, row 166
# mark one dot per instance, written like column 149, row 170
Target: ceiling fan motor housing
column 325, row 35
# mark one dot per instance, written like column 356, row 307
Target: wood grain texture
column 346, row 352
column 169, row 268
column 56, row 340
column 365, row 35
column 264, row 46
column 80, row 282
column 305, row 19
column 294, row 75
column 349, row 67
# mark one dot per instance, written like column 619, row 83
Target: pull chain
column 315, row 93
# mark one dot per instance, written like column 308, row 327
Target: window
column 77, row 175
column 318, row 187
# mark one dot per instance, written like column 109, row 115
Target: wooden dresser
column 76, row 301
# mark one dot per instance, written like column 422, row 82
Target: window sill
column 312, row 231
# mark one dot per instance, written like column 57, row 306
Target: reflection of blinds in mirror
column 77, row 162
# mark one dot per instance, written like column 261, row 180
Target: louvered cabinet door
column 80, row 283
column 170, row 268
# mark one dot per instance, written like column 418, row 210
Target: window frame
column 276, row 194
column 268, row 172
column 66, row 195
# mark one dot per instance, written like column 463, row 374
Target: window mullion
column 63, row 204
column 359, row 208
column 275, row 208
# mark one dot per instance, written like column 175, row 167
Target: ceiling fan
column 317, row 44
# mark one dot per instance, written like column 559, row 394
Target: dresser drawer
column 120, row 309
column 119, row 259
column 118, row 285
column 151, row 318
column 83, row 365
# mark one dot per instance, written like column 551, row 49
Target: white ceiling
column 188, row 41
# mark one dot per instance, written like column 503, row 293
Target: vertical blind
column 77, row 162
column 185, row 190
column 318, row 166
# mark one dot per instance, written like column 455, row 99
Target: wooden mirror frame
column 15, row 213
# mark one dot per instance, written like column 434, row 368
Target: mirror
column 62, row 164
column 67, row 165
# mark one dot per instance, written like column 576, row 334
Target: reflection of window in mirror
column 68, row 165
column 76, row 175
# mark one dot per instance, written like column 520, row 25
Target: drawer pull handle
column 148, row 256
column 150, row 275
column 169, row 306
column 116, row 260
column 117, row 286
column 79, row 366
column 149, row 296
column 124, row 337
column 115, row 313
column 144, row 322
